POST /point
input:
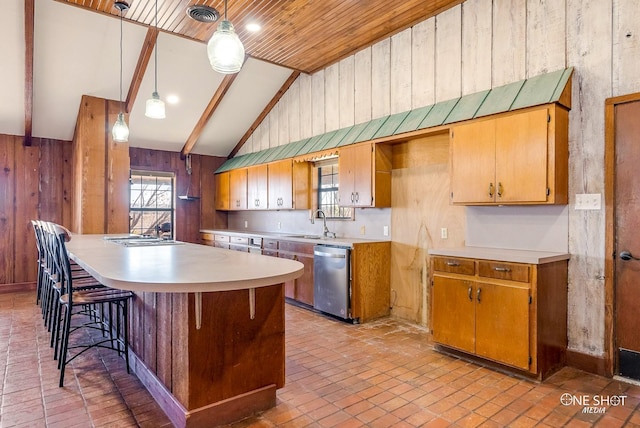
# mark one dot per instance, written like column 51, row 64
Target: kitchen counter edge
column 345, row 242
column 501, row 254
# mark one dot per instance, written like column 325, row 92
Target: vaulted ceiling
column 76, row 51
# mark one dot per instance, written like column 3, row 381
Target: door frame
column 610, row 363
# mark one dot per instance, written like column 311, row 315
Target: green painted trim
column 370, row 130
column 390, row 125
column 438, row 114
column 353, row 134
column 562, row 83
column 500, row 99
column 537, row 90
column 413, row 120
column 467, row 107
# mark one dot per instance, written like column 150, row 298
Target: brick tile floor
column 380, row 374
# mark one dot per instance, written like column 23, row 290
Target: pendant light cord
column 155, row 86
column 225, row 10
column 121, row 105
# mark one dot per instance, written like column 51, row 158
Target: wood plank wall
column 475, row 46
column 35, row 183
column 190, row 216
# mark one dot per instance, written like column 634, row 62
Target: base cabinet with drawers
column 513, row 314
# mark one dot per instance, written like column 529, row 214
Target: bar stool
column 75, row 303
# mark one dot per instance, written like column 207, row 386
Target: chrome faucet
column 326, row 232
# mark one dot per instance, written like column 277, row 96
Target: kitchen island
column 207, row 324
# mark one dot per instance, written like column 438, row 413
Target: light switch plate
column 588, row 201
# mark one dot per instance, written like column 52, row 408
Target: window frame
column 347, row 211
column 171, row 209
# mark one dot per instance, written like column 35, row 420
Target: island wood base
column 227, row 370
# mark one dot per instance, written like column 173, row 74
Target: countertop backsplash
column 537, row 228
column 369, row 223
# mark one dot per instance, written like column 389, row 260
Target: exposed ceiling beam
column 143, row 61
column 29, row 12
column 285, row 86
column 208, row 112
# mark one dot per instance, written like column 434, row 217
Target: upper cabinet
column 257, row 187
column 238, row 189
column 365, row 175
column 281, row 185
column 519, row 158
column 222, row 191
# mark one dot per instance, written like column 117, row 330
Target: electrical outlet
column 362, row 230
column 444, row 233
column 588, row 201
column 246, row 224
column 385, row 230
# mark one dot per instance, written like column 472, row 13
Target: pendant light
column 120, row 129
column 225, row 50
column 155, row 106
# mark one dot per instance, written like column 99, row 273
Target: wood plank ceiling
column 303, row 35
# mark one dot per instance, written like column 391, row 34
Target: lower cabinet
column 300, row 289
column 510, row 313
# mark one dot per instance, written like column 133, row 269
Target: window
column 151, row 203
column 328, row 182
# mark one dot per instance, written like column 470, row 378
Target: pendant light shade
column 155, row 106
column 225, row 50
column 120, row 130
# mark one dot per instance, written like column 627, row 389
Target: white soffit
column 183, row 71
column 251, row 91
column 77, row 52
column 12, row 67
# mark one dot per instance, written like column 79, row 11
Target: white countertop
column 501, row 255
column 299, row 237
column 177, row 268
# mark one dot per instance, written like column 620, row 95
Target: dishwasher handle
column 332, row 255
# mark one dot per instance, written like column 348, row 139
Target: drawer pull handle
column 500, row 192
column 469, row 293
column 478, row 294
column 502, row 269
column 491, row 190
column 453, row 264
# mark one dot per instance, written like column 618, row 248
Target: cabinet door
column 502, row 323
column 280, row 185
column 473, row 163
column 222, row 191
column 346, row 164
column 257, row 183
column 289, row 286
column 304, row 283
column 362, row 175
column 521, row 157
column 454, row 312
column 238, row 189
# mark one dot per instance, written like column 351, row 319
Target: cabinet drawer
column 508, row 271
column 271, row 253
column 296, row 247
column 222, row 238
column 241, row 248
column 270, row 244
column 239, row 240
column 207, row 236
column 454, row 265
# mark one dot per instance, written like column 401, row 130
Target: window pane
column 151, row 203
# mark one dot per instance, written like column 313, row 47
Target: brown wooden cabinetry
column 238, row 189
column 365, row 175
column 301, row 289
column 518, row 158
column 222, row 201
column 257, row 187
column 281, row 185
column 511, row 313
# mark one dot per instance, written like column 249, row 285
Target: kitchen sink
column 306, row 236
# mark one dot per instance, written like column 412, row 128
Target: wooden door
column 238, row 189
column 222, row 191
column 280, row 185
column 257, row 183
column 362, row 157
column 346, row 165
column 521, row 157
column 502, row 323
column 454, row 313
column 627, row 238
column 473, row 163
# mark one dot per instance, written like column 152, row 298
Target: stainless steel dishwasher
column 332, row 280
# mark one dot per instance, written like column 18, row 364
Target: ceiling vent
column 203, row 13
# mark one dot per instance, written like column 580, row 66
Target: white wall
column 478, row 45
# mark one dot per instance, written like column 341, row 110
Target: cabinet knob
column 502, row 269
column 491, row 190
column 453, row 264
column 352, row 197
column 478, row 294
column 357, row 197
column 469, row 293
column 500, row 190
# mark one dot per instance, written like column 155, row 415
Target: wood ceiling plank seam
column 216, row 99
column 141, row 67
column 29, row 20
column 265, row 111
column 176, row 14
